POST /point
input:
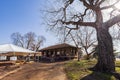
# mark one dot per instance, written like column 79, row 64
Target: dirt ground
column 39, row 71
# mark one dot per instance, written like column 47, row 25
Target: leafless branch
column 112, row 21
column 88, row 5
column 91, row 24
column 99, row 3
column 110, row 6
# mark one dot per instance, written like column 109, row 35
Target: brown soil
column 39, row 71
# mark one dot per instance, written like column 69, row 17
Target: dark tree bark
column 105, row 51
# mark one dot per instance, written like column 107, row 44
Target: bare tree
column 87, row 40
column 29, row 41
column 17, row 39
column 37, row 43
column 73, row 14
column 84, row 38
column 75, row 41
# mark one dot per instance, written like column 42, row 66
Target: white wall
column 3, row 57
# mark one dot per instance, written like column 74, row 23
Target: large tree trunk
column 106, row 62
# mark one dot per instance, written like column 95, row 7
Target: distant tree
column 84, row 38
column 87, row 40
column 29, row 41
column 37, row 43
column 17, row 39
column 76, row 42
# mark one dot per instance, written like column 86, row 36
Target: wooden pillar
column 64, row 52
column 47, row 53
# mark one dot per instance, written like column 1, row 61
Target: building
column 58, row 52
column 13, row 52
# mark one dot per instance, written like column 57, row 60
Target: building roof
column 58, row 46
column 13, row 48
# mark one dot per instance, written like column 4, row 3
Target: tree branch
column 74, row 40
column 110, row 6
column 112, row 21
column 97, row 2
column 88, row 5
column 100, row 2
column 91, row 24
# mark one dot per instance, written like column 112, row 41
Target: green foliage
column 78, row 70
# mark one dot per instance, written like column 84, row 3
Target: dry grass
column 79, row 71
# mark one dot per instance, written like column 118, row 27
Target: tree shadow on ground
column 99, row 76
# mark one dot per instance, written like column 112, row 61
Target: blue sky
column 22, row 16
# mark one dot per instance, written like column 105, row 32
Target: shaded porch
column 58, row 52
